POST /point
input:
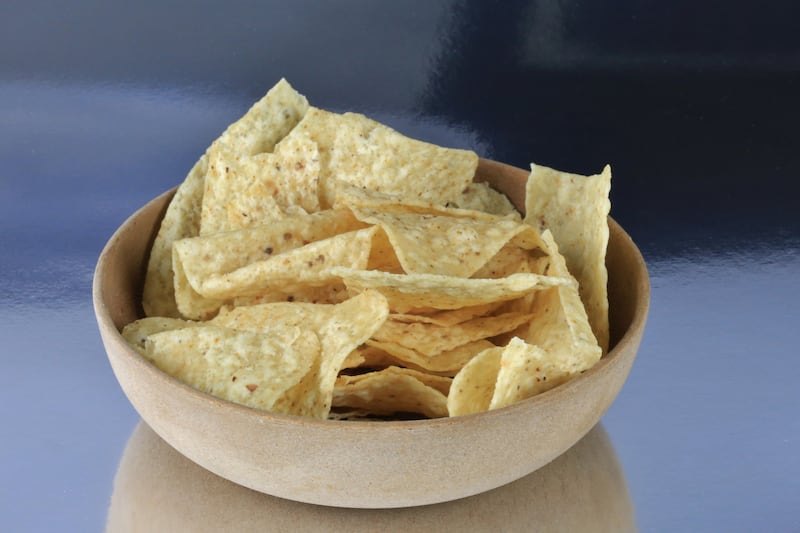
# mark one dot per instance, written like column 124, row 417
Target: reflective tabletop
column 105, row 105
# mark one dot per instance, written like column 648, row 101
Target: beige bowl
column 366, row 464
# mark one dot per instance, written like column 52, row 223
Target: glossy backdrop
column 103, row 105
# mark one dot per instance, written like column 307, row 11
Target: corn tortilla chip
column 447, row 362
column 137, row 331
column 525, row 370
column 341, row 329
column 181, row 220
column 253, row 369
column 450, row 246
column 575, row 208
column 311, row 264
column 447, row 318
column 481, row 197
column 406, row 292
column 267, row 122
column 431, row 340
column 388, row 392
column 359, row 151
column 560, row 325
column 473, row 387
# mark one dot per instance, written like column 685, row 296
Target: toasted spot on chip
column 575, row 209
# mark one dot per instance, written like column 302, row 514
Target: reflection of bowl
column 157, row 489
column 366, row 464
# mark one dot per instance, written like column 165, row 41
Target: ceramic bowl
column 364, row 464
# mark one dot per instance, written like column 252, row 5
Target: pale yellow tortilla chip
column 253, row 369
column 450, row 246
column 560, row 325
column 267, row 122
column 341, row 329
column 510, row 259
column 223, row 253
column 412, row 291
column 350, row 196
column 524, row 371
column 311, row 264
column 481, row 197
column 137, row 332
column 181, row 220
column 575, row 208
column 255, row 189
column 390, row 391
column 332, row 293
column 473, row 387
column 191, row 304
column 226, row 252
column 449, row 317
column 431, row 340
column 359, row 151
column 445, row 363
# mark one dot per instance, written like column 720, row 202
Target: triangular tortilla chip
column 575, row 208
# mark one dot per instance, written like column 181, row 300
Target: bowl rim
column 609, row 359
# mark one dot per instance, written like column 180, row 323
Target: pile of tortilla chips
column 324, row 265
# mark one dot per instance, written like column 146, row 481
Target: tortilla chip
column 202, row 258
column 137, row 332
column 431, row 340
column 191, row 304
column 341, row 328
column 181, row 220
column 253, row 369
column 447, row 318
column 407, row 292
column 445, row 363
column 450, row 246
column 267, row 122
column 255, row 189
column 311, row 264
column 481, row 197
column 473, row 387
column 331, row 293
column 359, row 151
column 390, row 391
column 525, row 371
column 560, row 325
column 575, row 208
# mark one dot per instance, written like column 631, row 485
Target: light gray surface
column 101, row 109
